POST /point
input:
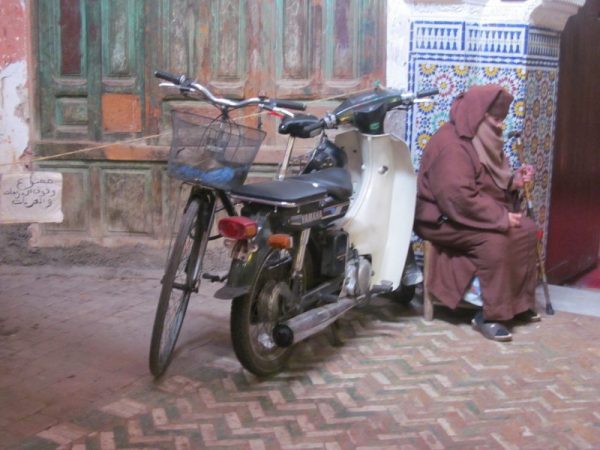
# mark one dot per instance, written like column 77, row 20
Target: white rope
column 143, row 138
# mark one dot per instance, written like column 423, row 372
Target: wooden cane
column 530, row 213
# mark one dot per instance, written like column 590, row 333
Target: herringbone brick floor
column 397, row 381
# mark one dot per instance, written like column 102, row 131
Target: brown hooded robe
column 462, row 211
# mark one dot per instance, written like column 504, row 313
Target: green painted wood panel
column 63, row 69
column 296, row 46
column 88, row 48
column 75, row 201
column 293, row 48
column 126, row 201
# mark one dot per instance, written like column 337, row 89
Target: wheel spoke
column 171, row 327
column 255, row 315
column 182, row 269
column 266, row 315
column 178, row 283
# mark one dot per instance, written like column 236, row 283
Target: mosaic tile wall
column 455, row 55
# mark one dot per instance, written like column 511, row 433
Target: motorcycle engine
column 358, row 277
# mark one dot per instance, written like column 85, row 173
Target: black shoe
column 490, row 330
column 528, row 316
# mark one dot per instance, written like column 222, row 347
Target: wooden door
column 95, row 64
column 574, row 226
column 91, row 69
column 96, row 57
column 295, row 49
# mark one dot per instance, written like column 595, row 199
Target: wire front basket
column 212, row 152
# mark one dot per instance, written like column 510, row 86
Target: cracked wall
column 14, row 101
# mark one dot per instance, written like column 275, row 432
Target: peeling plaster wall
column 14, row 102
column 398, row 43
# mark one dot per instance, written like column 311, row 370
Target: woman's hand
column 514, row 219
column 523, row 175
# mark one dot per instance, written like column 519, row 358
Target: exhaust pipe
column 310, row 322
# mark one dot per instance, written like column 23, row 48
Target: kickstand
column 335, row 334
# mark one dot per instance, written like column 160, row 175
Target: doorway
column 574, row 225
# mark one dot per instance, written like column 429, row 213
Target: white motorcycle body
column 380, row 217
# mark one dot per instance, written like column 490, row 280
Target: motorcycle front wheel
column 253, row 317
column 179, row 280
column 403, row 294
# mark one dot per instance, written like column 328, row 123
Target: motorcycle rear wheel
column 253, row 317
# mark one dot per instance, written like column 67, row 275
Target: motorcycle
column 305, row 248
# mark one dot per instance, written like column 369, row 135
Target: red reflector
column 237, row 228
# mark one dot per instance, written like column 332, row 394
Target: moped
column 305, row 248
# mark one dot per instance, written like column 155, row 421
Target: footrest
column 214, row 278
column 383, row 288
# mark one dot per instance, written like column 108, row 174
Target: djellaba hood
column 469, row 108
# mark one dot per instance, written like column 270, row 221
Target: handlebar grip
column 314, row 126
column 169, row 77
column 427, row 92
column 289, row 104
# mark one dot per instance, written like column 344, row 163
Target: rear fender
column 244, row 271
column 242, row 274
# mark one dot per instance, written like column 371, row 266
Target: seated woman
column 467, row 207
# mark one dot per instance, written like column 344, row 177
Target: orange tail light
column 280, row 241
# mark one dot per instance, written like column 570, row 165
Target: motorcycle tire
column 403, row 294
column 253, row 317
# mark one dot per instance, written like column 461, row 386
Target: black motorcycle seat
column 288, row 191
column 300, row 189
column 336, row 180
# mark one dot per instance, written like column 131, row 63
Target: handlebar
column 186, row 84
column 178, row 81
column 315, row 126
column 428, row 92
column 409, row 98
column 289, row 104
column 393, row 98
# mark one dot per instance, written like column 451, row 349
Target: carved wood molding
column 553, row 14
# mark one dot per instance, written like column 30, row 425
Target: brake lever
column 280, row 112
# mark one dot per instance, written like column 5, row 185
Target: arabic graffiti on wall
column 31, row 197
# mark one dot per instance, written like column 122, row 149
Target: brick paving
column 73, row 375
